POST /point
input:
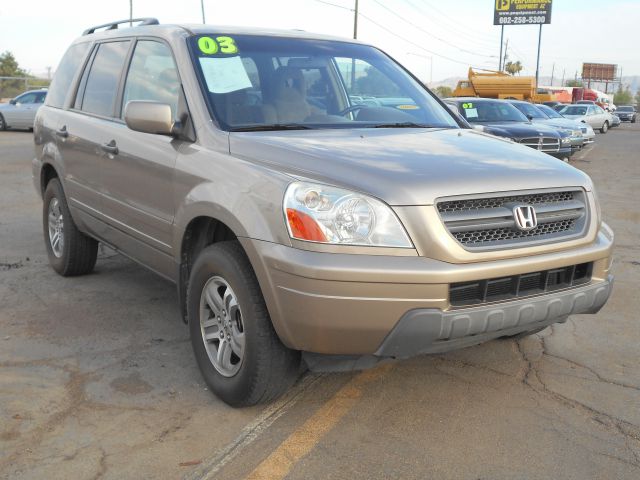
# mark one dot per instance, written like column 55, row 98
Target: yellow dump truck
column 493, row 84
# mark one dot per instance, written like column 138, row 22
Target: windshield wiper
column 271, row 127
column 407, row 125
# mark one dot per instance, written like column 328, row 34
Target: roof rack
column 114, row 25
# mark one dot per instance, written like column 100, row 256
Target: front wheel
column 70, row 251
column 605, row 127
column 237, row 349
column 3, row 123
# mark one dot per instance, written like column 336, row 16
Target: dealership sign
column 522, row 12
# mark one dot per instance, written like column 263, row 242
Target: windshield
column 265, row 82
column 574, row 110
column 530, row 110
column 487, row 111
column 625, row 109
column 550, row 112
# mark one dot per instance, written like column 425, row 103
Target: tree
column 637, row 97
column 443, row 91
column 574, row 83
column 623, row 97
column 9, row 66
column 513, row 67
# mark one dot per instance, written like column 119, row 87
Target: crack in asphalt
column 628, row 430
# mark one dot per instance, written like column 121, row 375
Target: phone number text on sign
column 521, row 20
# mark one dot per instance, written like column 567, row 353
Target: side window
column 61, row 83
column 104, row 76
column 152, row 76
column 40, row 96
column 26, row 98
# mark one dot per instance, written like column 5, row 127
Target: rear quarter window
column 69, row 65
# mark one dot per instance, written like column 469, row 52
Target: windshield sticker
column 471, row 112
column 224, row 74
column 209, row 46
column 408, row 107
column 467, row 105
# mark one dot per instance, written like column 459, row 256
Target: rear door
column 81, row 128
column 137, row 181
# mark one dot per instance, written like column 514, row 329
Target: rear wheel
column 237, row 349
column 70, row 251
column 605, row 127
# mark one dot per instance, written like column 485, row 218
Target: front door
column 137, row 175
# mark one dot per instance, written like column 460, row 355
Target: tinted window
column 487, row 111
column 550, row 112
column 27, row 98
column 529, row 110
column 152, row 75
column 102, row 82
column 64, row 74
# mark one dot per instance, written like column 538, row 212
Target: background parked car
column 500, row 118
column 615, row 120
column 587, row 131
column 21, row 111
column 536, row 115
column 591, row 114
column 627, row 113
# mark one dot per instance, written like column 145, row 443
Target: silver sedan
column 589, row 114
column 21, row 111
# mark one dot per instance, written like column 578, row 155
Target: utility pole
column 504, row 60
column 355, row 36
column 553, row 69
column 130, row 13
column 562, row 83
column 202, row 8
column 500, row 56
column 355, row 22
column 538, row 60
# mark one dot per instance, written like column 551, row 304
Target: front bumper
column 564, row 152
column 348, row 304
column 433, row 331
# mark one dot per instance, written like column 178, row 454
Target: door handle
column 62, row 132
column 110, row 147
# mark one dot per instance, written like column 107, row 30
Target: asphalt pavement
column 97, row 377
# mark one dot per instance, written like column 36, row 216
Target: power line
column 411, row 42
column 431, row 34
column 489, row 38
column 335, row 5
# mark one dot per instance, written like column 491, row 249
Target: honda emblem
column 525, row 217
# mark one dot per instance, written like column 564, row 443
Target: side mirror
column 149, row 117
column 530, row 117
column 13, row 101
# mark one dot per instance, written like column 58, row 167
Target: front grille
column 488, row 222
column 518, row 286
column 544, row 144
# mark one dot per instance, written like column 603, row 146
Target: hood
column 577, row 118
column 518, row 129
column 562, row 123
column 406, row 166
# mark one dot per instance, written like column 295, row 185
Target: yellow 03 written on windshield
column 211, row 46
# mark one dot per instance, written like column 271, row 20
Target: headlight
column 325, row 214
column 576, row 133
column 565, row 141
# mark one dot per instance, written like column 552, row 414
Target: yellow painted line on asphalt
column 302, row 441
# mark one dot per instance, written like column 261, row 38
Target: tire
column 73, row 253
column 605, row 127
column 3, row 124
column 257, row 367
column 633, row 120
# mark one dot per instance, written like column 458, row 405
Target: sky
column 436, row 39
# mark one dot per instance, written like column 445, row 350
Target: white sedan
column 590, row 114
column 21, row 111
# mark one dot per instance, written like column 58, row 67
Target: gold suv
column 312, row 201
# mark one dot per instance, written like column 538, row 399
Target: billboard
column 599, row 72
column 522, row 12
